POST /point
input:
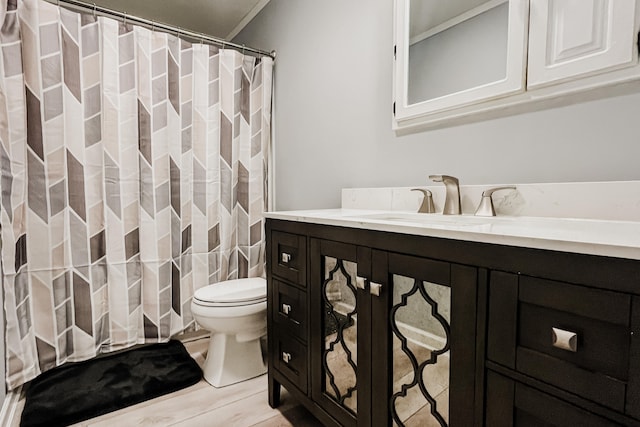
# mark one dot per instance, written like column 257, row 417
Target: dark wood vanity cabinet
column 370, row 328
column 573, row 340
column 374, row 334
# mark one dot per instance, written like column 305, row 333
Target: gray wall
column 333, row 100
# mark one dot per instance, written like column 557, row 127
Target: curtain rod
column 123, row 16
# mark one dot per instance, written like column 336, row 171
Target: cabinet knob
column 286, row 308
column 286, row 357
column 565, row 340
column 360, row 282
column 375, row 288
column 285, row 257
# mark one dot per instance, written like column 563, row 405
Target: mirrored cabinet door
column 428, row 345
column 339, row 331
column 420, row 324
column 390, row 337
column 454, row 53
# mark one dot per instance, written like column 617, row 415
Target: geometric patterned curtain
column 133, row 172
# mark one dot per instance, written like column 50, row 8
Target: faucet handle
column 427, row 201
column 485, row 208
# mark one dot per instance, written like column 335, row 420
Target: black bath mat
column 78, row 391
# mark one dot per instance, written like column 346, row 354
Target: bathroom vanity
column 386, row 318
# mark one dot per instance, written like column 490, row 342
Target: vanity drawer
column 512, row 404
column 291, row 360
column 573, row 337
column 290, row 309
column 288, row 257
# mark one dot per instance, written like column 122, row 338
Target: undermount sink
column 530, row 227
column 426, row 219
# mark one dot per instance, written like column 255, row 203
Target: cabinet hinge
column 638, row 41
column 394, row 108
column 395, row 48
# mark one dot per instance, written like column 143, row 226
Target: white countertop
column 587, row 236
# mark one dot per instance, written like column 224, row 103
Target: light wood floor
column 201, row 405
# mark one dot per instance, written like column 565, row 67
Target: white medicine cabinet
column 463, row 60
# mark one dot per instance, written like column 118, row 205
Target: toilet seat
column 232, row 293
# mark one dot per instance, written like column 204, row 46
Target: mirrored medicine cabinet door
column 453, row 53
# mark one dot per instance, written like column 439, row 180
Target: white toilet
column 235, row 312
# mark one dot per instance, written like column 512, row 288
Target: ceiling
column 219, row 18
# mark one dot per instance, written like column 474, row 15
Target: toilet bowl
column 235, row 312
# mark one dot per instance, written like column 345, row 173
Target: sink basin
column 429, row 220
column 566, row 229
column 422, row 217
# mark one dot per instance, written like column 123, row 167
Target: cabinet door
column 461, row 54
column 424, row 323
column 339, row 331
column 577, row 38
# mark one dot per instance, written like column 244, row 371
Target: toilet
column 235, row 312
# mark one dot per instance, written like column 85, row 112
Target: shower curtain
column 133, row 172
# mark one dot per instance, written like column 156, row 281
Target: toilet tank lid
column 238, row 290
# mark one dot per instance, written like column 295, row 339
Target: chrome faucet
column 452, row 199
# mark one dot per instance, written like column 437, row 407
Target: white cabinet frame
column 514, row 81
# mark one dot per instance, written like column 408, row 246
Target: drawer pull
column 565, row 340
column 360, row 282
column 285, row 257
column 286, row 308
column 375, row 289
column 286, row 357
